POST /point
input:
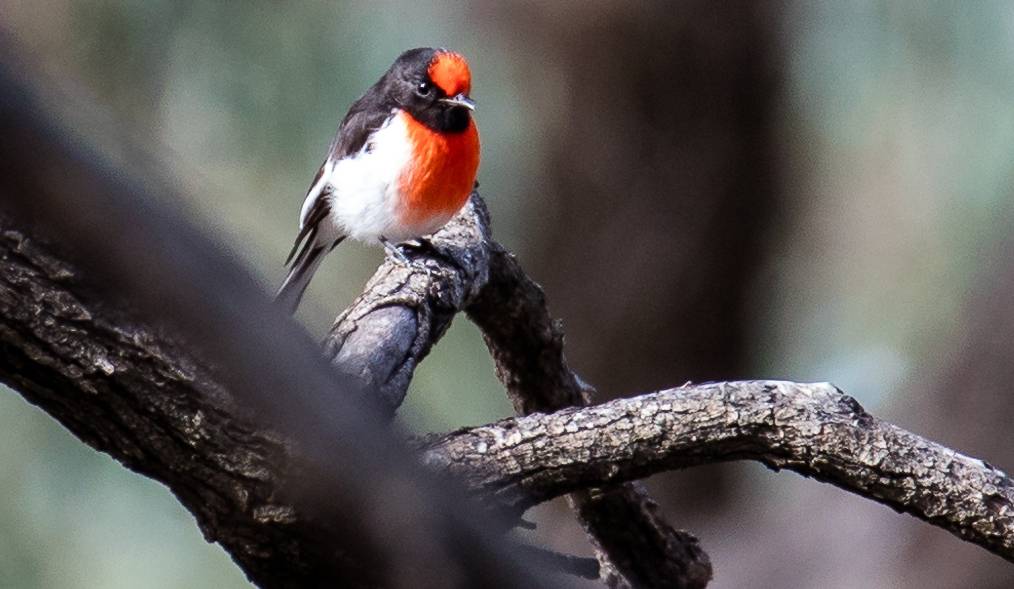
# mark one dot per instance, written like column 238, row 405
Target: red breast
column 442, row 172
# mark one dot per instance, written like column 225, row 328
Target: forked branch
column 86, row 357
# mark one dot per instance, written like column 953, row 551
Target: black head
column 432, row 85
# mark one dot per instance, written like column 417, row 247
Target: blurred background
column 707, row 191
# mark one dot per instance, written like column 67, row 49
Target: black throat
column 445, row 119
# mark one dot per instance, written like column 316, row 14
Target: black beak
column 459, row 100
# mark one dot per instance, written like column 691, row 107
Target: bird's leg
column 421, row 245
column 425, row 246
column 393, row 250
column 396, row 253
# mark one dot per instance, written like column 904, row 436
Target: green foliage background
column 899, row 113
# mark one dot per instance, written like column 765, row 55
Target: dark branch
column 812, row 429
column 636, row 546
column 301, row 486
column 404, row 310
column 231, row 442
column 390, row 328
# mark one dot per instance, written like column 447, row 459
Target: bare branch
column 230, row 442
column 404, row 310
column 390, row 328
column 812, row 429
column 303, row 487
column 623, row 522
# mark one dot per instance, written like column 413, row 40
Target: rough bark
column 958, row 395
column 100, row 284
column 657, row 184
column 390, row 328
column 963, row 401
column 127, row 390
column 75, row 348
column 635, row 545
column 404, row 310
column 812, row 429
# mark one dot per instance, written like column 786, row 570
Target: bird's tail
column 291, row 291
column 300, row 272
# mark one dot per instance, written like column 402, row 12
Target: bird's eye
column 424, row 89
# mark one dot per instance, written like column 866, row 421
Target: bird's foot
column 420, row 245
column 394, row 251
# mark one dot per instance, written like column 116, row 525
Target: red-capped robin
column 402, row 163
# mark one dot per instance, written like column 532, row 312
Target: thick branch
column 301, row 486
column 812, row 429
column 390, row 328
column 133, row 391
column 623, row 521
column 404, row 310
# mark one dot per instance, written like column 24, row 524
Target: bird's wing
column 316, row 206
column 311, row 244
column 365, row 116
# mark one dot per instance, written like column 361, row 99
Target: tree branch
column 635, row 545
column 812, row 429
column 134, row 391
column 404, row 310
column 390, row 328
column 101, row 285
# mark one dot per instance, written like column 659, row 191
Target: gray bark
column 812, row 429
column 390, row 328
column 242, row 444
column 147, row 341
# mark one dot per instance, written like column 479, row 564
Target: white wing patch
column 315, row 192
column 364, row 187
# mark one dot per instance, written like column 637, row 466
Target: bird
column 402, row 163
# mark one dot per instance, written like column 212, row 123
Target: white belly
column 365, row 188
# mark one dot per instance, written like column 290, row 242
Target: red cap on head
column 449, row 71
